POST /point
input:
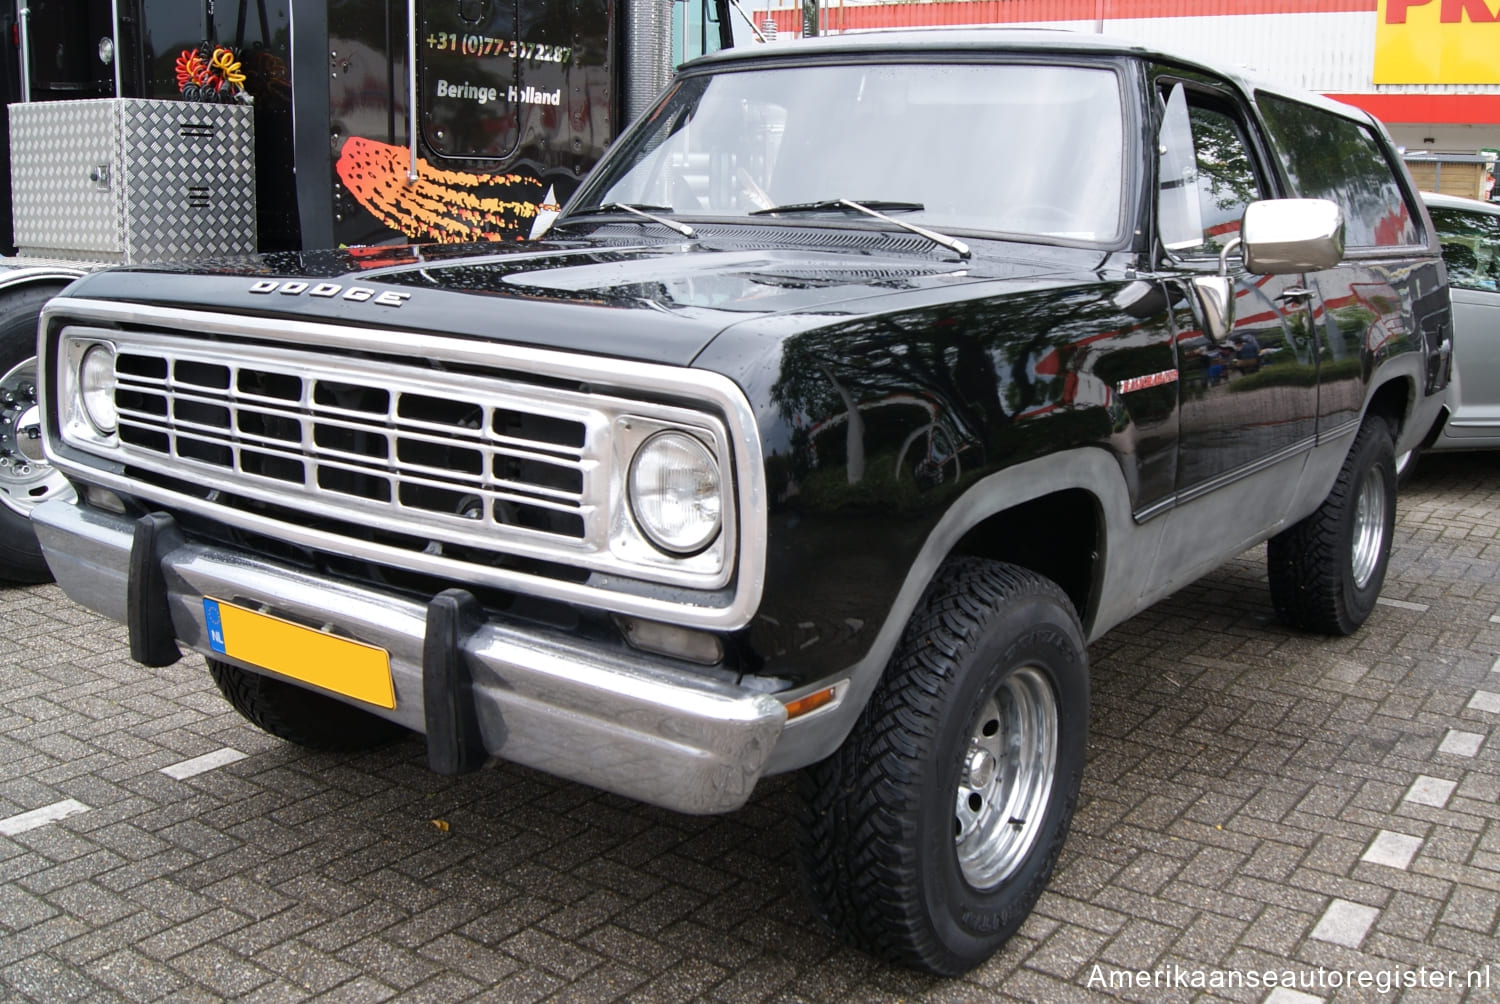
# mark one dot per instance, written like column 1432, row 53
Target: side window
column 1471, row 247
column 1208, row 176
column 1327, row 156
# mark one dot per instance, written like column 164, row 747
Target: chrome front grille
column 481, row 464
column 487, row 458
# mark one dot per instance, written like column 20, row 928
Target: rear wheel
column 1326, row 572
column 26, row 479
column 930, row 833
column 299, row 715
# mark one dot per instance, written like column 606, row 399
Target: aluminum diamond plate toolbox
column 132, row 180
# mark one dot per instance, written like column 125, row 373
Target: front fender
column 1127, row 550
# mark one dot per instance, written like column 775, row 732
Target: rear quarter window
column 1327, row 156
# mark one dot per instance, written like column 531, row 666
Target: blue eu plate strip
column 215, row 625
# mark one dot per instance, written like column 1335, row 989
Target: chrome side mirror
column 1284, row 236
column 1277, row 237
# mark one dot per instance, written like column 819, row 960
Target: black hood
column 649, row 301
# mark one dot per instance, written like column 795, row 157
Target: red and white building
column 1429, row 69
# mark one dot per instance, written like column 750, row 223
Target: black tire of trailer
column 892, row 844
column 1326, row 571
column 21, row 560
column 301, row 716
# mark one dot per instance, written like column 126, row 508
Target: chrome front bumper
column 602, row 716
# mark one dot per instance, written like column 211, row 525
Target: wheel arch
column 1084, row 484
column 1025, row 534
column 1394, row 400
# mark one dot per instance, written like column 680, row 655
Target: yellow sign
column 1437, row 42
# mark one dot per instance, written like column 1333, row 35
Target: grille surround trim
column 623, row 403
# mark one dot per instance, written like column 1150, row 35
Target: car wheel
column 26, row 479
column 1326, row 571
column 928, row 836
column 299, row 715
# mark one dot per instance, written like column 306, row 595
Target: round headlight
column 675, row 492
column 96, row 387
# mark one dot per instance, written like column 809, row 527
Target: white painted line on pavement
column 1394, row 850
column 1420, row 608
column 1345, row 923
column 11, row 825
column 203, row 764
column 1484, row 700
column 1461, row 743
column 1282, row 995
column 1433, row 791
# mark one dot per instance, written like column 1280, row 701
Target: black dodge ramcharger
column 861, row 385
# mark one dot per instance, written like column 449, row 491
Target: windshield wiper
column 829, row 205
column 953, row 244
column 645, row 213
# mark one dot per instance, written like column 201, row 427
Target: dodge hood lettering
column 356, row 294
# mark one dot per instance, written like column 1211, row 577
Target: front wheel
column 301, row 716
column 1326, row 572
column 928, row 836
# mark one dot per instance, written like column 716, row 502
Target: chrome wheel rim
column 1006, row 778
column 26, row 479
column 1369, row 527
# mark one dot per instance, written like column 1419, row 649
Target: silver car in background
column 1470, row 234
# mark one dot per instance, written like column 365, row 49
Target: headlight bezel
column 90, row 387
column 628, row 540
column 75, row 426
column 685, row 442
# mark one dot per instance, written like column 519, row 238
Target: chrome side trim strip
column 1227, row 478
column 1155, row 509
column 1340, row 431
column 1250, row 469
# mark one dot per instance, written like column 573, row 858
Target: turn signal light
column 812, row 702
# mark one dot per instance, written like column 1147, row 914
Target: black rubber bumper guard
column 454, row 743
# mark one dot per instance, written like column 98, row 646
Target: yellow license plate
column 346, row 667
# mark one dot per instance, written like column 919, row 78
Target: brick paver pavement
column 1256, row 800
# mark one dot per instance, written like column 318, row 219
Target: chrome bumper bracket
column 454, row 742
column 153, row 640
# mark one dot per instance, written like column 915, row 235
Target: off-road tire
column 301, row 716
column 1312, row 566
column 21, row 558
column 881, row 823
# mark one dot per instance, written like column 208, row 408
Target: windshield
column 1028, row 149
